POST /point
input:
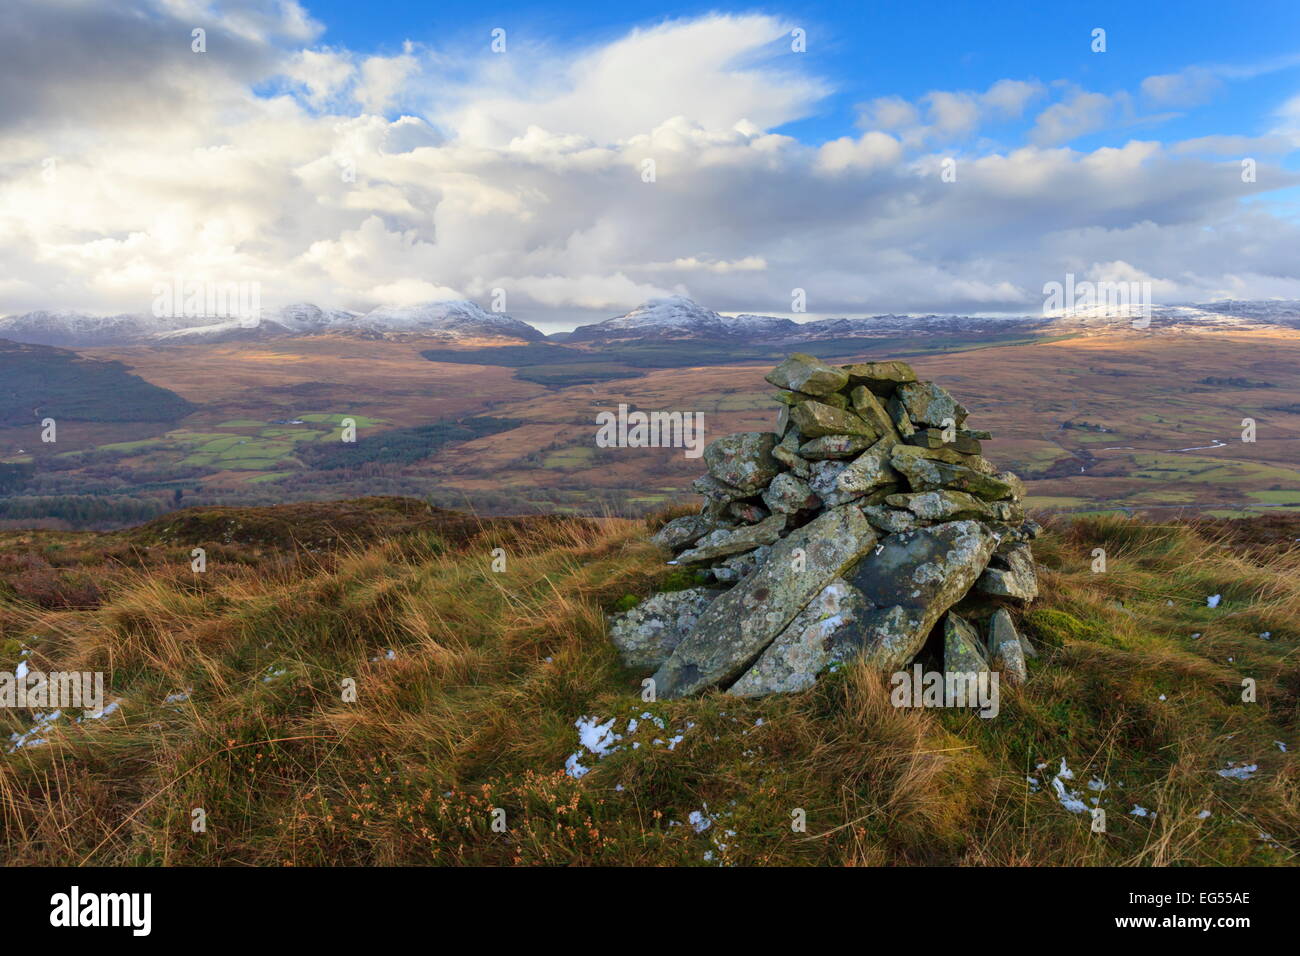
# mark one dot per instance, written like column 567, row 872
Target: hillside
column 37, row 382
column 470, row 683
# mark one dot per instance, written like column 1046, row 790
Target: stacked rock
column 853, row 529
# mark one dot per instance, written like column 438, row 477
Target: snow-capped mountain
column 457, row 318
column 69, row 329
column 677, row 317
column 452, row 320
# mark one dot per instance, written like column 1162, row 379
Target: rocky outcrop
column 868, row 526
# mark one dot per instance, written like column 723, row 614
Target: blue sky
column 918, row 157
column 908, row 48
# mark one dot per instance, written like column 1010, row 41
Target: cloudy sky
column 356, row 154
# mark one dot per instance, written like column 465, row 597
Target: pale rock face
column 788, row 494
column 869, row 471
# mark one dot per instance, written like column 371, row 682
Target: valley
column 1146, row 421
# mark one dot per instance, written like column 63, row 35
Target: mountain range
column 456, row 320
column 668, row 319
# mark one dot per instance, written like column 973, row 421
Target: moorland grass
column 469, row 682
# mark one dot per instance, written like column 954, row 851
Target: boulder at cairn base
column 648, row 633
column 803, row 373
column 915, row 577
column 680, row 532
column 724, row 542
column 963, row 650
column 825, row 632
column 739, row 625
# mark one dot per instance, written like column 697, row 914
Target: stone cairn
column 867, row 518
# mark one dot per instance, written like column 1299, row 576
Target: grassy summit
column 230, row 688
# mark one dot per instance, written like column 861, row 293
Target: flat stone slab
column 805, row 373
column 815, row 419
column 719, row 544
column 824, row 633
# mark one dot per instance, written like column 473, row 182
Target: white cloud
column 1081, row 114
column 1190, row 87
column 523, row 172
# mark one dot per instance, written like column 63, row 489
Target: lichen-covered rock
column 928, row 404
column 680, row 532
column 787, row 453
column 914, row 578
column 747, row 511
column 825, row 632
column 949, row 455
column 737, row 566
column 804, row 373
column 890, row 520
column 881, row 377
column 942, row 505
column 815, row 419
column 788, row 494
column 963, row 649
column 741, row 623
column 1006, row 649
column 869, row 471
column 927, row 474
column 898, row 415
column 834, row 446
column 647, row 634
column 743, row 460
column 864, row 402
column 823, row 478
column 1011, row 574
column 719, row 544
column 1014, row 483
column 709, row 487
